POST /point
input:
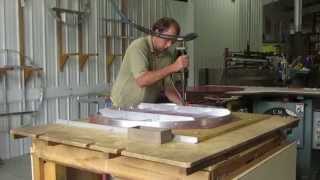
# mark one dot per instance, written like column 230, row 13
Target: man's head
column 167, row 26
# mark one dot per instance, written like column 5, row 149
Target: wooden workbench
column 220, row 154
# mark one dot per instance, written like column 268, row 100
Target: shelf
column 61, row 10
column 83, row 58
column 15, row 67
column 28, row 70
column 112, row 57
column 17, row 113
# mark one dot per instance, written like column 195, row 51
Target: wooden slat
column 60, row 41
column 87, row 138
column 241, row 120
column 32, row 132
column 21, row 33
column 124, row 26
column 68, row 136
column 81, row 137
column 71, row 156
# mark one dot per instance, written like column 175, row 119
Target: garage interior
column 250, row 94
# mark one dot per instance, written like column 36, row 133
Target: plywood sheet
column 33, row 132
column 100, row 140
column 188, row 155
column 239, row 120
column 80, row 137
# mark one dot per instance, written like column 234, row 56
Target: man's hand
column 181, row 63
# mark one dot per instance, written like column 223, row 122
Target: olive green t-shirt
column 139, row 58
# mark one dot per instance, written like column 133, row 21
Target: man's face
column 161, row 44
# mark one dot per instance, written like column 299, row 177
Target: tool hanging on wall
column 78, row 18
column 182, row 39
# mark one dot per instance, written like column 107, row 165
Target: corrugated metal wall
column 62, row 88
column 225, row 24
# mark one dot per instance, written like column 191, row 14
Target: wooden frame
column 49, row 161
column 53, row 161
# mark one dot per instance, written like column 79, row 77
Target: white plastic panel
column 164, row 116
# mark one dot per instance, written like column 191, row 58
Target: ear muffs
column 158, row 29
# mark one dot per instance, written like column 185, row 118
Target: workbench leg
column 36, row 167
column 45, row 170
column 53, row 171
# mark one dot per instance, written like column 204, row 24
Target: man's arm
column 150, row 77
column 172, row 95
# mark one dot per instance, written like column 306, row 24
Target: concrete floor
column 16, row 168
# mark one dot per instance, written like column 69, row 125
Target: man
column 146, row 68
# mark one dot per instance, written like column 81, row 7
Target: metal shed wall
column 225, row 24
column 62, row 88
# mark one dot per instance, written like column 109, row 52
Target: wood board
column 189, row 155
column 239, row 120
column 173, row 153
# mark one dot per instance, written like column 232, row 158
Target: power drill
column 182, row 50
